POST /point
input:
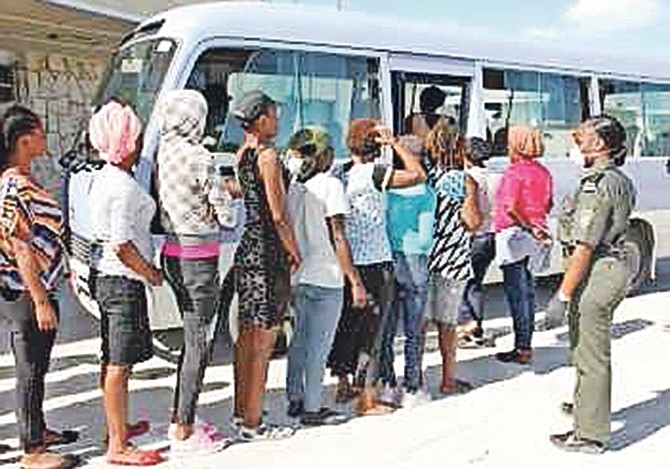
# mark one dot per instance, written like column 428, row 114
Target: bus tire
column 640, row 244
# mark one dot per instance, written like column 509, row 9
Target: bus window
column 553, row 103
column 656, row 109
column 623, row 100
column 644, row 110
column 421, row 100
column 309, row 88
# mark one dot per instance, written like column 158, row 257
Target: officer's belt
column 602, row 250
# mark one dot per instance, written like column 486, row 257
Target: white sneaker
column 415, row 399
column 264, row 433
column 389, row 396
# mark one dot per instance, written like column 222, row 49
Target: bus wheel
column 640, row 248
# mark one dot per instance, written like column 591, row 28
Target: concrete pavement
column 503, row 423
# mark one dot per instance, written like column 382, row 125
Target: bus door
column 429, row 90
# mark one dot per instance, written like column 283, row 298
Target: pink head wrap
column 114, row 131
column 525, row 141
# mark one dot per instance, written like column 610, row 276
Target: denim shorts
column 124, row 320
column 444, row 299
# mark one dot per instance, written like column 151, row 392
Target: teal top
column 410, row 216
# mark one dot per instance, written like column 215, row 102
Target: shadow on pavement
column 487, row 370
column 641, row 421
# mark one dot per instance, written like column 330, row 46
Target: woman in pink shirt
column 523, row 201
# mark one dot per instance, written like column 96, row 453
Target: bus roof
column 328, row 27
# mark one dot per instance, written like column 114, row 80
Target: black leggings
column 357, row 346
column 32, row 353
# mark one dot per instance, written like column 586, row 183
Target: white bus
column 327, row 67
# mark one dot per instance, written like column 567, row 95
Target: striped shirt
column 450, row 254
column 28, row 213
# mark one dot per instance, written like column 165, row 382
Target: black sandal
column 54, row 438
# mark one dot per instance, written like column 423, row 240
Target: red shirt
column 526, row 185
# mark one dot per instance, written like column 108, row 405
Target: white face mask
column 293, row 164
column 576, row 156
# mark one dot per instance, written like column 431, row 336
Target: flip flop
column 136, row 429
column 459, row 387
column 376, row 411
column 55, row 438
column 136, row 457
column 5, row 448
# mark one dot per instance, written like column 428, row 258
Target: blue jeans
column 483, row 252
column 519, row 287
column 317, row 310
column 411, row 291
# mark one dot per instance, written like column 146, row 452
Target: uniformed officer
column 592, row 230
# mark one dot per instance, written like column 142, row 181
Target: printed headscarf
column 182, row 114
column 113, row 132
column 525, row 141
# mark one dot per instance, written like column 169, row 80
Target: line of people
column 353, row 247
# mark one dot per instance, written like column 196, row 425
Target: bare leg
column 239, row 375
column 447, row 339
column 115, row 396
column 257, row 346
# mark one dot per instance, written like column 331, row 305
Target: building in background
column 52, row 56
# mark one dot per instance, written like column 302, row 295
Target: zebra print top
column 450, row 255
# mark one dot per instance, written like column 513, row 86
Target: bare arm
column 270, row 173
column 413, row 173
column 343, row 253
column 29, row 272
column 470, row 213
column 577, row 265
column 128, row 254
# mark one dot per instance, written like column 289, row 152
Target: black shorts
column 124, row 320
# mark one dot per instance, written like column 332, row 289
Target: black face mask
column 371, row 149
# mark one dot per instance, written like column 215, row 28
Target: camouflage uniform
column 597, row 216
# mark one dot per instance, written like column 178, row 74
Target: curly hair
column 360, row 133
column 446, row 145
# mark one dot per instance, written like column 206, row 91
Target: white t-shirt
column 309, row 206
column 122, row 211
column 483, row 197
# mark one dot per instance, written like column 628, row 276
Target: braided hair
column 446, row 145
column 16, row 122
column 613, row 133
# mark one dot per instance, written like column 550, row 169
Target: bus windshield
column 135, row 75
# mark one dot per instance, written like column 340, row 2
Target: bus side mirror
column 667, row 166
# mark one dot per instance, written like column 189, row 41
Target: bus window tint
column 309, row 88
column 550, row 102
column 644, row 109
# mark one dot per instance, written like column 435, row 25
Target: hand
column 557, row 309
column 385, row 136
column 156, row 277
column 45, row 315
column 233, row 188
column 540, row 234
column 294, row 261
column 358, row 295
